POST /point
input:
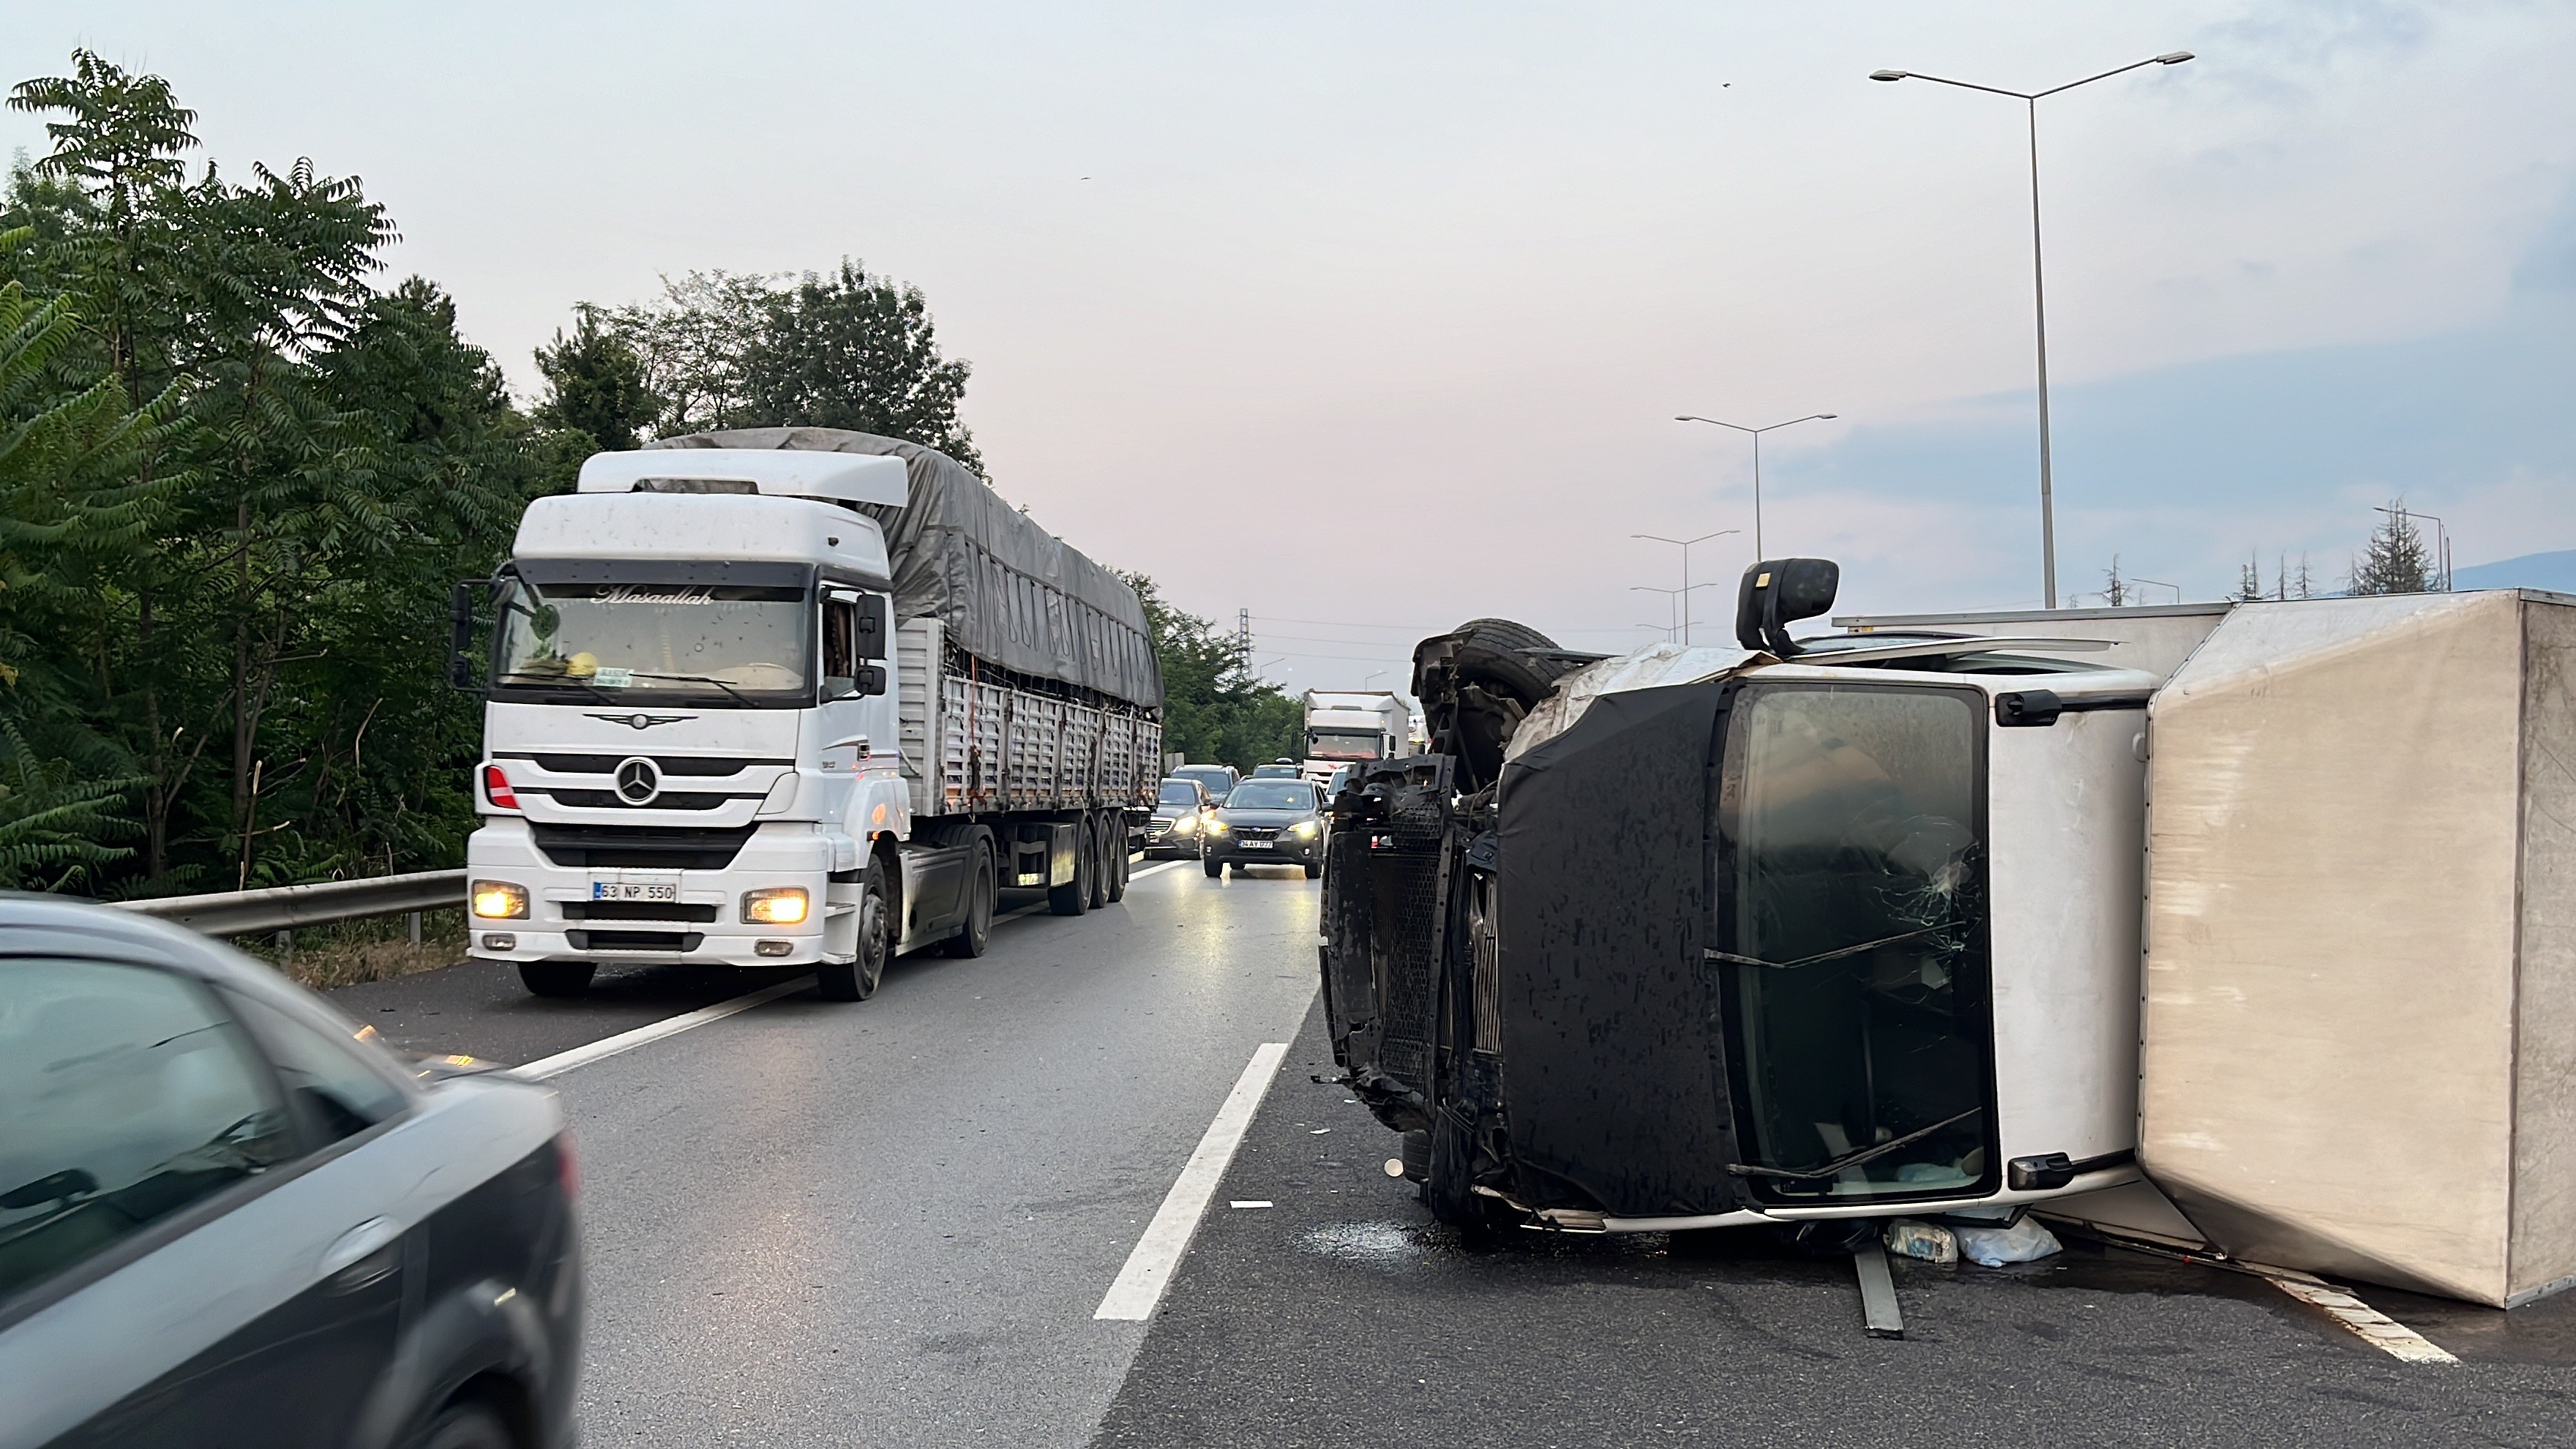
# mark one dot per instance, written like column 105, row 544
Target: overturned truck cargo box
column 2359, row 1036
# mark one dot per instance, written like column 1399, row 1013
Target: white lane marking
column 1252, row 1202
column 2376, row 1328
column 1149, row 1268
column 609, row 1046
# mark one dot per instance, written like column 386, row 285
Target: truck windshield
column 1854, row 954
column 710, row 644
column 1324, row 744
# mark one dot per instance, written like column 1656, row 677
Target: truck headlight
column 775, row 906
column 498, row 900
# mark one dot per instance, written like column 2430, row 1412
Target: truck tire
column 858, row 980
column 1074, row 897
column 1102, row 867
column 467, row 1424
column 556, row 978
column 977, row 931
column 1121, row 859
column 1215, row 869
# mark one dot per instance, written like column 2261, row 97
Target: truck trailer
column 2253, row 944
column 790, row 697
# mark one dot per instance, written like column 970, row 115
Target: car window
column 339, row 1095
column 126, row 1094
column 1272, row 795
column 1182, row 793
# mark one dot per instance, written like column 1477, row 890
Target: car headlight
column 775, row 906
column 1185, row 826
column 1305, row 829
column 498, row 900
column 1216, row 827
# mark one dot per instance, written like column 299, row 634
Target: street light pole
column 1757, row 461
column 1686, row 583
column 2039, row 280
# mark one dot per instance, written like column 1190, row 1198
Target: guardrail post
column 286, row 945
column 415, row 930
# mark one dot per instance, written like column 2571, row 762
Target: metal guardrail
column 283, row 908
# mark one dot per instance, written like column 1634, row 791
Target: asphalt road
column 890, row 1223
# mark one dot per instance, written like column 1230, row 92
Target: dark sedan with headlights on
column 1181, row 806
column 1266, row 822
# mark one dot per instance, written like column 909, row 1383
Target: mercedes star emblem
column 638, row 781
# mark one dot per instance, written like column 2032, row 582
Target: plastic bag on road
column 1930, row 1242
column 2024, row 1242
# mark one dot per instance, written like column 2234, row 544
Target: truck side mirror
column 1778, row 592
column 871, row 679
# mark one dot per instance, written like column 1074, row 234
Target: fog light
column 776, row 906
column 498, row 900
column 500, row 941
column 772, row 948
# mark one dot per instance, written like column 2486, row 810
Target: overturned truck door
column 1514, row 969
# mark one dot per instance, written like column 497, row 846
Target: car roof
column 45, row 925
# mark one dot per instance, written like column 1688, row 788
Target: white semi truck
column 1343, row 726
column 794, row 697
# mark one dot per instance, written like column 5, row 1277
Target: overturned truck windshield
column 1713, row 949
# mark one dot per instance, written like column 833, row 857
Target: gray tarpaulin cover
column 1004, row 589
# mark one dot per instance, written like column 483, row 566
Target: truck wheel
column 977, row 932
column 1215, row 869
column 1102, row 868
column 1074, row 897
column 556, row 978
column 1121, row 859
column 858, row 980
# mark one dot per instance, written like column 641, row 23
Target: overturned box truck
column 2250, row 929
column 794, row 697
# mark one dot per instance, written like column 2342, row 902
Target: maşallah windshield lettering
column 628, row 640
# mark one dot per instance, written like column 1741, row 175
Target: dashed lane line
column 2375, row 1328
column 1140, row 1283
column 626, row 1041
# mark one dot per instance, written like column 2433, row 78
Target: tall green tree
column 846, row 349
column 2395, row 560
column 595, row 385
column 1215, row 709
column 233, row 605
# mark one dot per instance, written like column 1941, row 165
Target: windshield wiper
column 542, row 680
column 1834, row 955
column 739, row 697
column 1850, row 1159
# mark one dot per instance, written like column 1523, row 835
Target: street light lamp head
column 1828, row 415
column 1893, row 74
column 2174, row 57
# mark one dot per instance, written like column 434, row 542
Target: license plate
column 1256, row 844
column 630, row 890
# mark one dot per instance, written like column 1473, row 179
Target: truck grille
column 674, row 941
column 668, row 800
column 697, row 765
column 639, row 847
column 636, row 911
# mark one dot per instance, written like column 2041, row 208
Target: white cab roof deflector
column 837, row 477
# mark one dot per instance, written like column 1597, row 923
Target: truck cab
column 690, row 729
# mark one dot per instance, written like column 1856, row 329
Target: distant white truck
column 794, row 697
column 1343, row 726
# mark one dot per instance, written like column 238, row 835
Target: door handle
column 362, row 1255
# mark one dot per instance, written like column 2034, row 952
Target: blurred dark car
column 1333, row 787
column 1267, row 822
column 1181, row 807
column 1276, row 770
column 1218, row 780
column 230, row 1217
